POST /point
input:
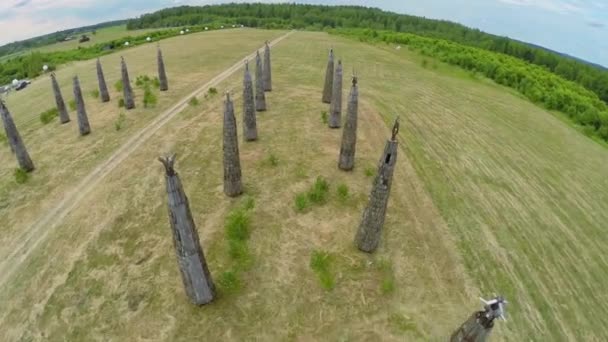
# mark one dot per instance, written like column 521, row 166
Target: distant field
column 491, row 195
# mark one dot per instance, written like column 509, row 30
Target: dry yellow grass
column 478, row 202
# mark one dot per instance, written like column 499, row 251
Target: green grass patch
column 21, row 176
column 72, row 104
column 320, row 263
column 237, row 229
column 121, row 103
column 237, row 225
column 343, row 192
column 142, row 81
column 229, row 282
column 150, row 99
column 118, row 86
column 387, row 284
column 271, row 161
column 212, row 91
column 48, row 115
column 324, row 117
column 3, row 139
column 194, row 101
column 119, row 123
column 94, row 94
column 318, row 192
column 302, row 203
column 369, row 171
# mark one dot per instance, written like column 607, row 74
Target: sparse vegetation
column 302, row 202
column 118, row 124
column 150, row 99
column 21, row 176
column 324, row 117
column 142, row 81
column 237, row 231
column 212, row 91
column 343, row 193
column 3, row 139
column 387, row 284
column 272, row 160
column 320, row 263
column 95, row 93
column 48, row 115
column 72, row 104
column 193, row 101
column 121, row 103
column 369, row 171
column 229, row 282
column 318, row 192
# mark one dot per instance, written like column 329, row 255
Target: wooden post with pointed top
column 329, row 78
column 61, row 108
column 83, row 120
column 162, row 75
column 370, row 230
column 267, row 69
column 260, row 98
column 232, row 162
column 126, row 85
column 103, row 87
column 335, row 108
column 14, row 140
column 190, row 257
column 250, row 131
column 349, row 135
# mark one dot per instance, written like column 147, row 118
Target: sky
column 576, row 27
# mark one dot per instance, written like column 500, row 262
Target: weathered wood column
column 267, row 69
column 14, row 140
column 190, row 257
column 83, row 119
column 63, row 112
column 335, row 108
column 126, row 85
column 260, row 98
column 103, row 87
column 329, row 78
column 479, row 325
column 232, row 162
column 250, row 131
column 349, row 135
column 370, row 230
column 162, row 75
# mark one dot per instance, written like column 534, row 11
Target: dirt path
column 36, row 233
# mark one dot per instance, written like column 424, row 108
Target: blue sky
column 576, row 27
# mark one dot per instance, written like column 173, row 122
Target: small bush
column 370, row 171
column 229, row 281
column 324, row 117
column 320, row 262
column 343, row 192
column 21, row 176
column 318, row 193
column 150, row 99
column 142, row 81
column 120, row 121
column 249, row 203
column 273, row 160
column 95, row 94
column 156, row 82
column 118, row 86
column 212, row 91
column 49, row 115
column 302, row 202
column 193, row 101
column 237, row 225
column 121, row 103
column 72, row 104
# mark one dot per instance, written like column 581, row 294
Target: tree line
column 318, row 17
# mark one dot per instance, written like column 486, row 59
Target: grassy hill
column 491, row 195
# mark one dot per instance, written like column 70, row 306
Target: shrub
column 324, row 117
column 121, row 103
column 95, row 94
column 318, row 193
column 118, row 86
column 49, row 115
column 156, row 82
column 120, row 121
column 237, row 225
column 149, row 97
column 302, row 202
column 343, row 192
column 320, row 263
column 193, row 101
column 370, row 171
column 142, row 81
column 229, row 281
column 212, row 91
column 21, row 176
column 72, row 104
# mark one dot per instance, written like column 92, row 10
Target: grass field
column 491, row 195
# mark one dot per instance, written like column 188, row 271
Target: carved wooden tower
column 14, row 140
column 232, row 162
column 190, row 257
column 103, row 87
column 335, row 108
column 63, row 112
column 260, row 98
column 162, row 74
column 83, row 119
column 329, row 78
column 250, row 131
column 349, row 135
column 370, row 230
column 126, row 85
column 267, row 69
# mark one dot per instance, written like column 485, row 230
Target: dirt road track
column 36, row 233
